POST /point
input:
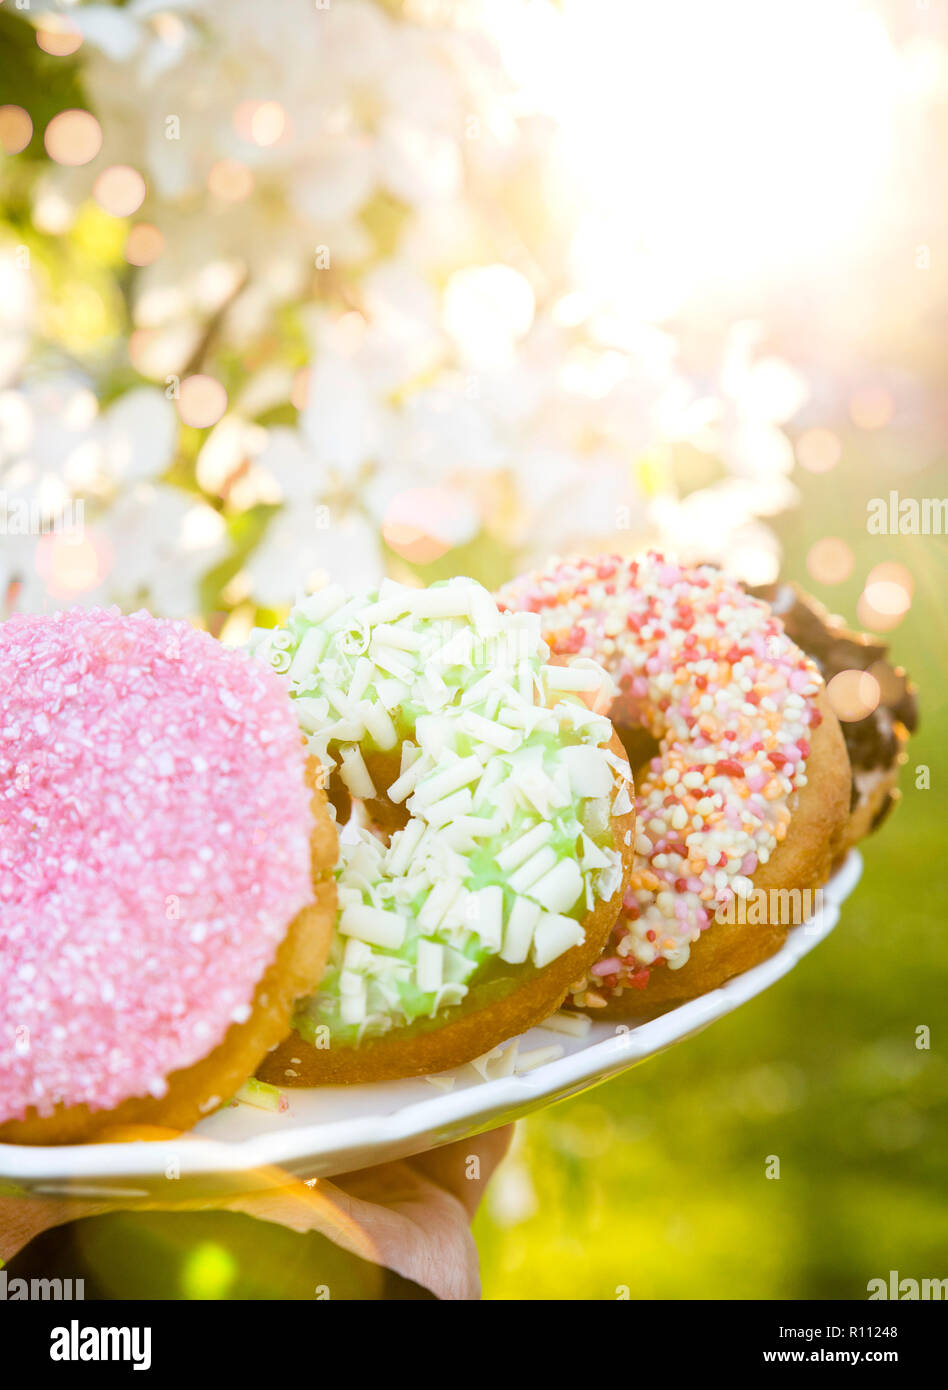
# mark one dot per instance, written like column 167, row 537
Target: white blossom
column 385, row 190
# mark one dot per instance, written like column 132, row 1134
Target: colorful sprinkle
column 709, row 672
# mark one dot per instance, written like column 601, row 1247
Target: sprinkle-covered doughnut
column 708, row 673
column 154, row 849
column 515, row 819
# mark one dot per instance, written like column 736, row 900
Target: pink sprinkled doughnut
column 748, row 788
column 155, row 830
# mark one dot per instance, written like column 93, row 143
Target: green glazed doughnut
column 514, row 815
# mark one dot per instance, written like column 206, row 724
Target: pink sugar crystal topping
column 154, row 847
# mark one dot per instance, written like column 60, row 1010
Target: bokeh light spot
column 818, row 450
column 268, row 123
column 170, row 28
column 144, row 245
column 52, row 212
column 230, row 181
column 69, row 565
column 260, row 122
column 894, row 576
column 208, row 1272
column 73, row 137
column 201, row 402
column 871, row 408
column 422, row 524
column 58, row 36
column 830, row 560
column 886, row 597
column 853, row 694
column 16, row 129
column 119, row 190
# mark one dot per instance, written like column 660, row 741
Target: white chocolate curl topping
column 506, row 776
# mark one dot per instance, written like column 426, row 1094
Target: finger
column 465, row 1168
column 418, row 1228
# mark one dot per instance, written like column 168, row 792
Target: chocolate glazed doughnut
column 742, row 782
column 876, row 745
